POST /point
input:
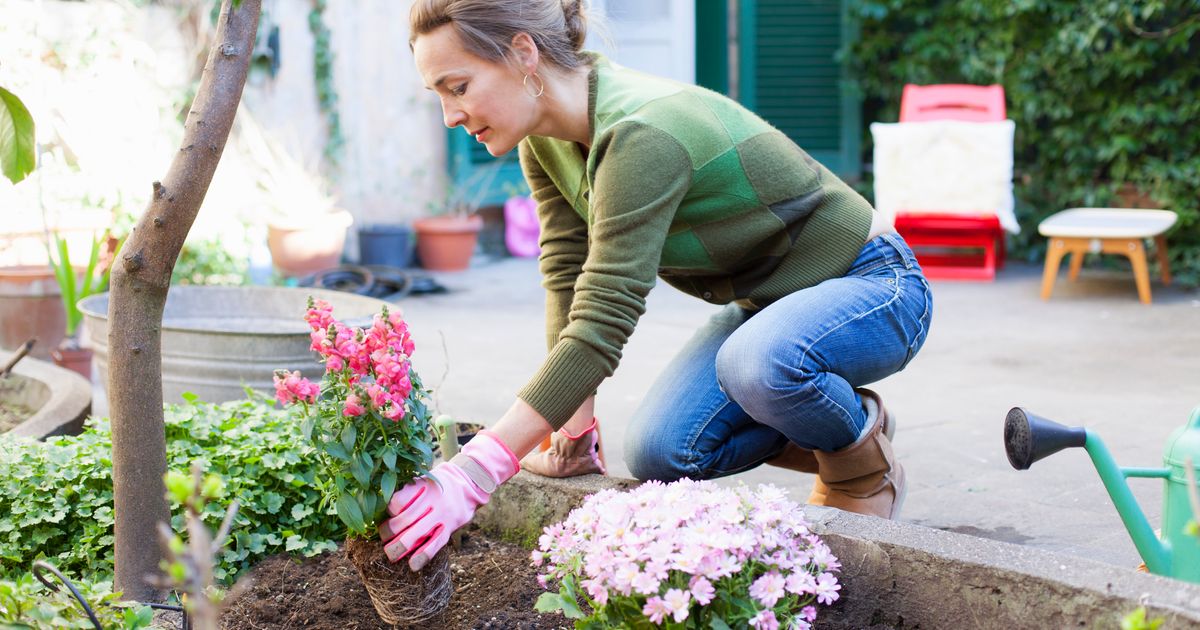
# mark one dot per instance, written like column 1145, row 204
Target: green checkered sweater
column 682, row 183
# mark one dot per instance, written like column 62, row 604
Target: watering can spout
column 1029, row 437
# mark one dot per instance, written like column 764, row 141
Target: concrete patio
column 1092, row 355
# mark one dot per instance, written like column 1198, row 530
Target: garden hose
column 40, row 567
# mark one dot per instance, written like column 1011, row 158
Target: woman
column 637, row 177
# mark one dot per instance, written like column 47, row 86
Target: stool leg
column 1076, row 264
column 1055, row 250
column 1141, row 271
column 1164, row 261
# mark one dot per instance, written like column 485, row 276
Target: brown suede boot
column 865, row 477
column 802, row 460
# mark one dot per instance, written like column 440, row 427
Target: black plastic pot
column 389, row 245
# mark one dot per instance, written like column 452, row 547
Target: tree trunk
column 138, row 295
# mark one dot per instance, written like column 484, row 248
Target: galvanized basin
column 58, row 399
column 218, row 340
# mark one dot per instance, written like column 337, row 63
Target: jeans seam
column 895, row 282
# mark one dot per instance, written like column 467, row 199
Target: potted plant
column 370, row 425
column 28, row 296
column 689, row 554
column 306, row 230
column 445, row 242
column 74, row 286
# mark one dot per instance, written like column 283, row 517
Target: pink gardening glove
column 425, row 512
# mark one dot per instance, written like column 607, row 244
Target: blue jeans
column 748, row 382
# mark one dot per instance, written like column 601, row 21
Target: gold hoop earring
column 540, row 85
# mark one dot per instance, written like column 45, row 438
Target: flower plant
column 367, row 419
column 688, row 554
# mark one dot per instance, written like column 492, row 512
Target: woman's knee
column 755, row 374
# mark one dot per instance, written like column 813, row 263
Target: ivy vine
column 1105, row 96
column 323, row 75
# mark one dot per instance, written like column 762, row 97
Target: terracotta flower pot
column 446, row 243
column 31, row 306
column 401, row 596
column 306, row 246
column 74, row 358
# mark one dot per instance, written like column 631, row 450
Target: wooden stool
column 1109, row 231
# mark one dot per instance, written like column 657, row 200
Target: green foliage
column 27, row 603
column 208, row 262
column 1104, row 95
column 1137, row 620
column 56, row 496
column 323, row 75
column 17, row 155
column 74, row 288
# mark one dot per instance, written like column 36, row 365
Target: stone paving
column 1092, row 355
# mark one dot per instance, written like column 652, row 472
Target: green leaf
column 18, row 156
column 179, row 486
column 548, row 603
column 389, row 458
column 299, row 511
column 388, row 485
column 571, row 609
column 361, row 473
column 718, row 624
column 349, row 435
column 350, row 513
column 336, row 450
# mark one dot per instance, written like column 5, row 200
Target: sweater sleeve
column 563, row 241
column 642, row 175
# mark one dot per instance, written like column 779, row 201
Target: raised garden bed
column 495, row 586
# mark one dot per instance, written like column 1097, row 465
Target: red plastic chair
column 947, row 245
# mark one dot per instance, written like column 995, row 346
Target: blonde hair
column 487, row 27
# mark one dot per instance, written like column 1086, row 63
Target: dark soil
column 494, row 587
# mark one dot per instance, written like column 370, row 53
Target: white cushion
column 945, row 166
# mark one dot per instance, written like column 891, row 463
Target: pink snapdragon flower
column 291, row 387
column 353, row 407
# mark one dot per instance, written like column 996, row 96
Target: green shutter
column 789, row 75
column 465, row 156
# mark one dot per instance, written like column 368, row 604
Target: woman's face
column 484, row 97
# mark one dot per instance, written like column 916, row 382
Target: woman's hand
column 424, row 513
column 569, row 455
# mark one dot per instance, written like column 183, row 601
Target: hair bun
column 575, row 21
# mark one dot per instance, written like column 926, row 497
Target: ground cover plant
column 56, row 496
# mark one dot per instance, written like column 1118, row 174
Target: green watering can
column 1028, row 438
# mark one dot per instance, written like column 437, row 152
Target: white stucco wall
column 393, row 160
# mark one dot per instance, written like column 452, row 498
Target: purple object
column 521, row 227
